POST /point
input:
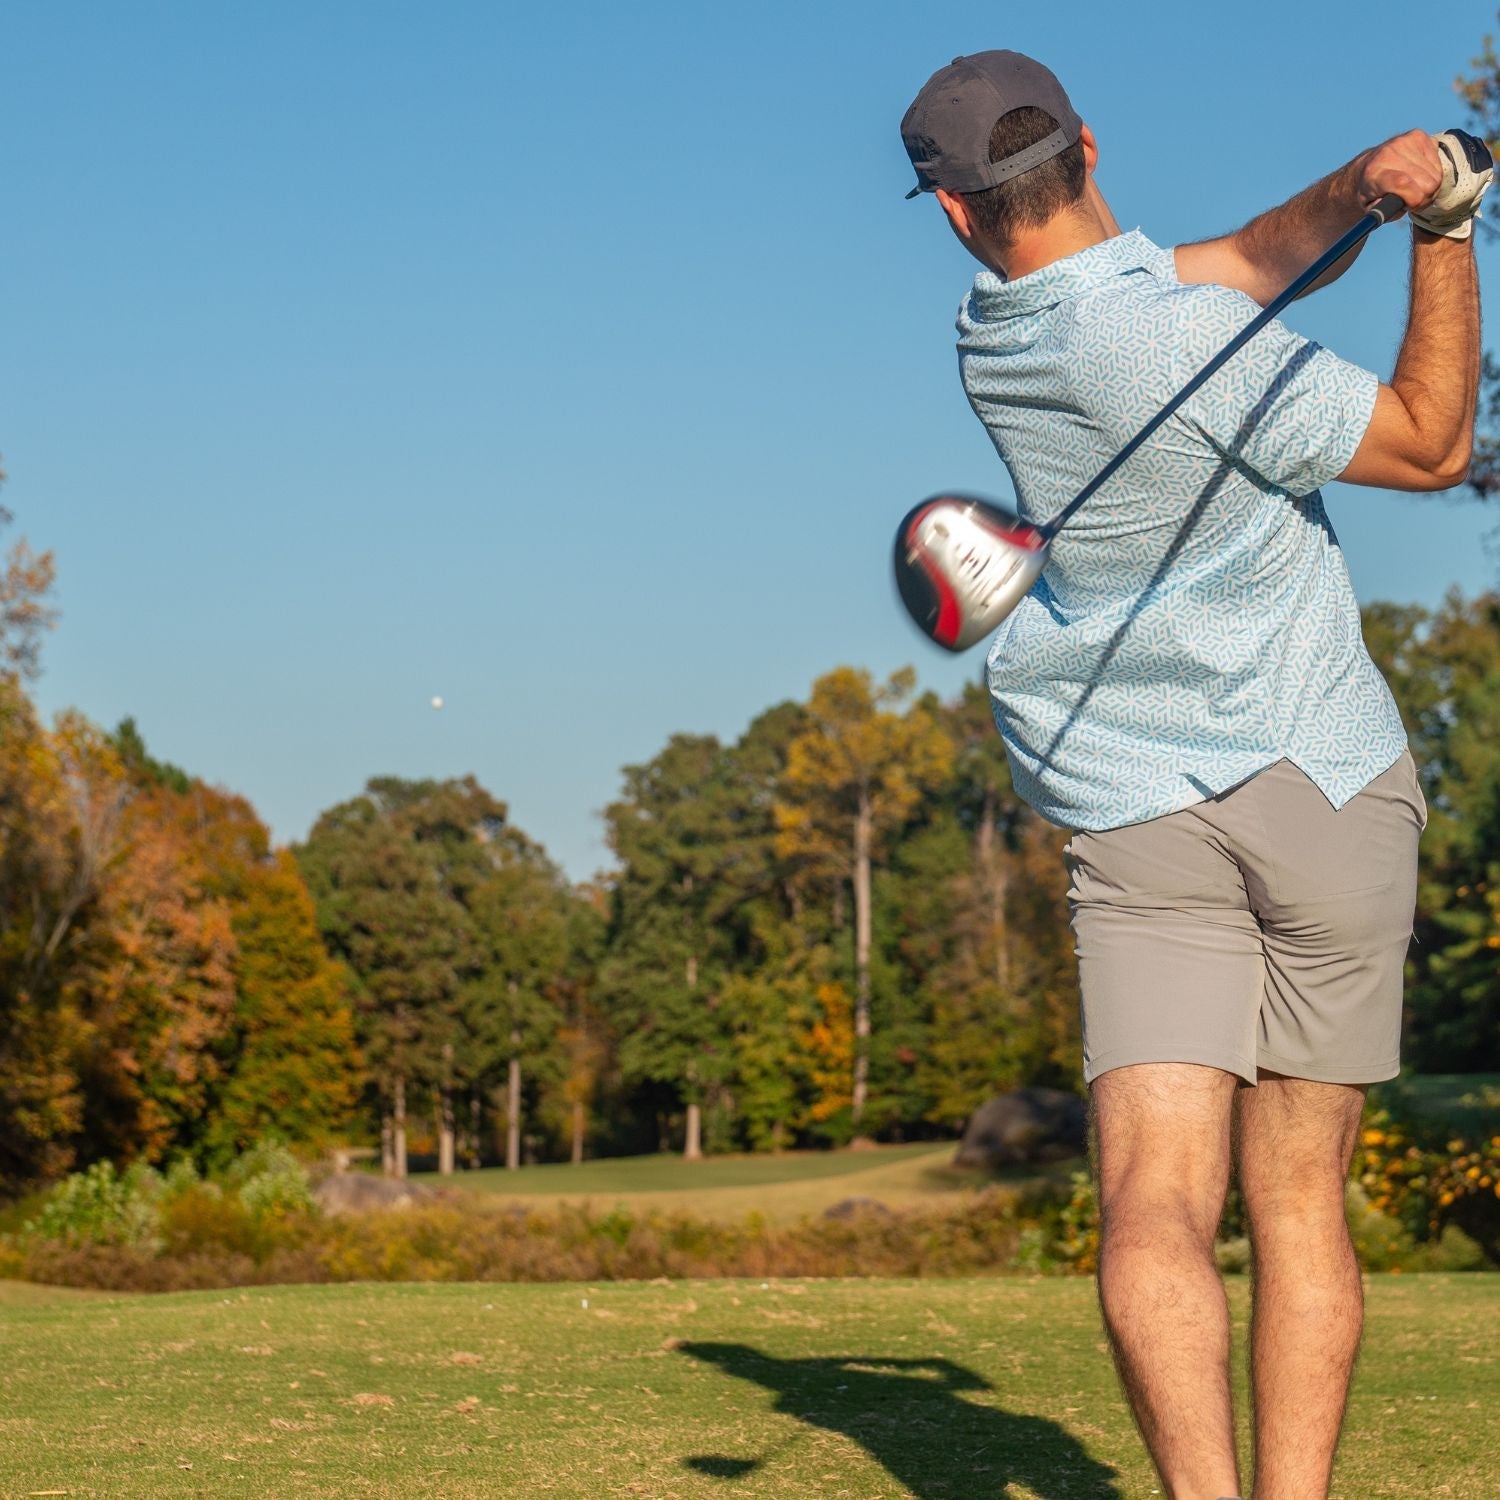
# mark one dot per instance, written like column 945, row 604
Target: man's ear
column 958, row 214
column 1090, row 149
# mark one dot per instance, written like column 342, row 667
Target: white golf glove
column 1467, row 169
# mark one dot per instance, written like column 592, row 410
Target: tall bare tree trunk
column 387, row 1144
column 996, row 878
column 513, row 1104
column 398, row 1126
column 692, row 1142
column 578, row 1123
column 446, row 1144
column 476, row 1120
column 863, row 831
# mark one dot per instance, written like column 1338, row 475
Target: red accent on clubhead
column 946, row 627
column 1022, row 536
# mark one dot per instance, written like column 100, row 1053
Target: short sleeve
column 1283, row 405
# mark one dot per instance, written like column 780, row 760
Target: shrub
column 1426, row 1182
column 264, row 1207
column 271, row 1182
column 1381, row 1243
column 101, row 1206
column 259, row 1224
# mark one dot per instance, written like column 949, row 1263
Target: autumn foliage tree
column 853, row 777
column 158, row 965
column 162, row 991
column 57, row 835
column 215, row 1018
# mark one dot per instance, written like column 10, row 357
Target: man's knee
column 1149, row 1212
column 1295, row 1141
column 1162, row 1152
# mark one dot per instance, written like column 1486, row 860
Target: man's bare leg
column 1163, row 1133
column 1295, row 1141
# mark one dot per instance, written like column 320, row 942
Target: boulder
column 357, row 1192
column 1022, row 1128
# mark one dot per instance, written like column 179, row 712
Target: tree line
column 843, row 925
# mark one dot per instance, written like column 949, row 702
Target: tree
column 60, row 801
column 287, row 1064
column 162, row 995
column 25, row 583
column 293, row 1069
column 520, row 913
column 853, row 777
column 1444, row 671
column 673, row 832
column 383, row 874
column 700, row 897
column 1480, row 91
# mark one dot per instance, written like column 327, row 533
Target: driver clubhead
column 962, row 565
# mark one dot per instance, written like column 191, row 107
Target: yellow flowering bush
column 1425, row 1183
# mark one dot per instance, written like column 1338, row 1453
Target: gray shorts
column 1260, row 929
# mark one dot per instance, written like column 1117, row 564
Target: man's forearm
column 1284, row 241
column 1437, row 370
column 1279, row 244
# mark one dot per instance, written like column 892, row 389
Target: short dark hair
column 1027, row 201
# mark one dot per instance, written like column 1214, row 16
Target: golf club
column 963, row 563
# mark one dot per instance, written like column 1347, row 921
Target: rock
column 357, row 1192
column 1022, row 1128
column 854, row 1208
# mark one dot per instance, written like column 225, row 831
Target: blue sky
column 573, row 363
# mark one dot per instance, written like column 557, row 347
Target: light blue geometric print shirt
column 1195, row 622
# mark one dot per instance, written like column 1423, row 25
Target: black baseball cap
column 946, row 131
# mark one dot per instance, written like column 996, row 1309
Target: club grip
column 1387, row 208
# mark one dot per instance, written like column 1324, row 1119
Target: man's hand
column 1407, row 165
column 1467, row 170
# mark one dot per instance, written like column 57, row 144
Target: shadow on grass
column 911, row 1417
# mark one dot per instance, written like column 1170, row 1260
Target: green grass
column 780, row 1187
column 671, row 1174
column 1466, row 1103
column 940, row 1390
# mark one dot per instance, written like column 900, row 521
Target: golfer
column 1186, row 688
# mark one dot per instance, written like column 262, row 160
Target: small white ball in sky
column 437, row 702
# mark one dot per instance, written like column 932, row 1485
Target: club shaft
column 1385, row 210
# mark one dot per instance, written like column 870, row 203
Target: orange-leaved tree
column 161, row 995
column 59, row 807
column 854, row 776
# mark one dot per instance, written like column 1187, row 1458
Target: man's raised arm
column 1422, row 432
column 1272, row 248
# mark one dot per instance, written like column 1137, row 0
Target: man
column 1187, row 688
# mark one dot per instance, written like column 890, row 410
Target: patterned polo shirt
column 1195, row 622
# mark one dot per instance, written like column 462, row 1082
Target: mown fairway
column 695, row 1389
column 780, row 1187
column 670, row 1173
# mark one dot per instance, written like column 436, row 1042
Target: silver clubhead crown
column 962, row 565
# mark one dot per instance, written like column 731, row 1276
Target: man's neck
column 1089, row 223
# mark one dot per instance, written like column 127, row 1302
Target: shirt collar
column 994, row 298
